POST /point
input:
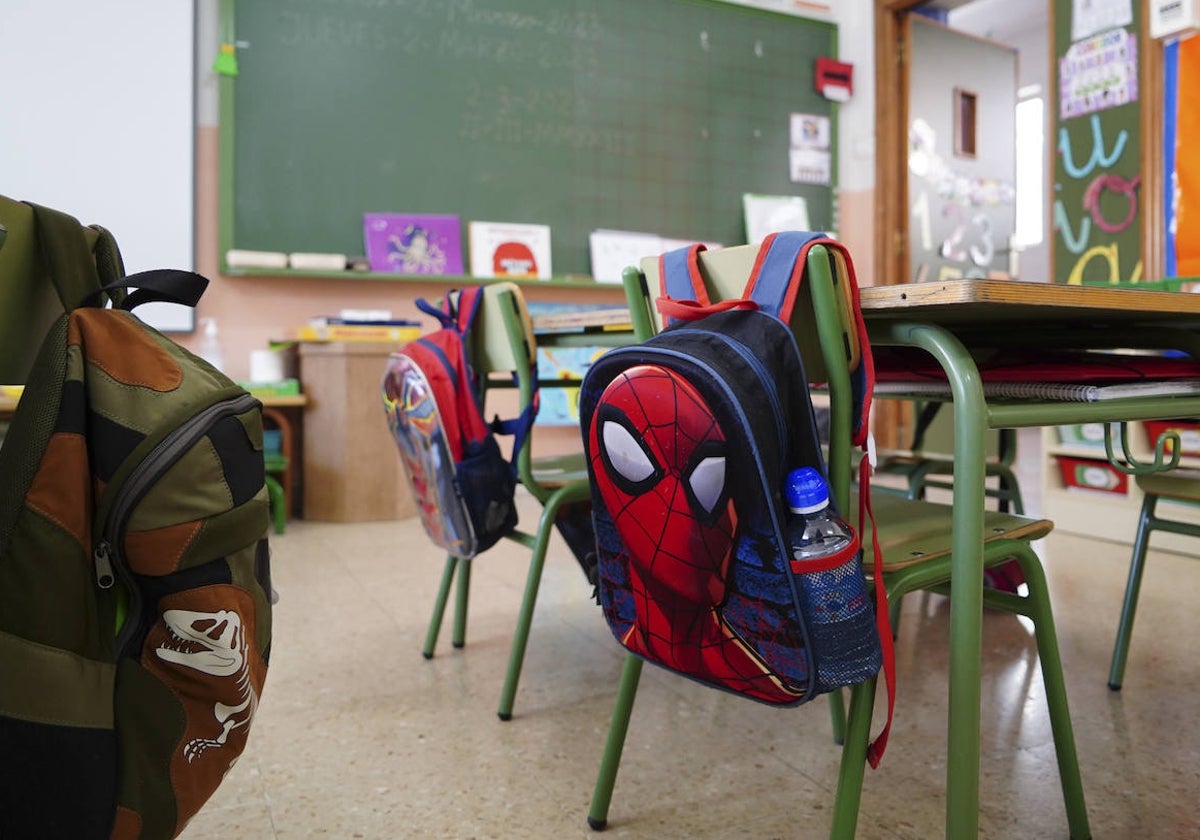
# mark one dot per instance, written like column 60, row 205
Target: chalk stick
column 237, row 258
column 318, row 262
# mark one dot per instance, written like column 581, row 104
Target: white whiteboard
column 97, row 120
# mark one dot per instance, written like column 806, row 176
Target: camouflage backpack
column 135, row 616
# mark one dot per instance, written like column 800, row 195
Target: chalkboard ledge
column 386, row 277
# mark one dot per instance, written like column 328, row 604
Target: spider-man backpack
column 462, row 484
column 689, row 436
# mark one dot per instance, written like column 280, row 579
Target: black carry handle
column 166, row 285
column 91, row 276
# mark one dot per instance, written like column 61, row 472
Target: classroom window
column 965, row 122
column 1031, row 183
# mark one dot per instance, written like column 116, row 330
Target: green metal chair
column 921, row 469
column 503, row 350
column 914, row 535
column 1175, row 485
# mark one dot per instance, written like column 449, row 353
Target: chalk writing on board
column 455, row 42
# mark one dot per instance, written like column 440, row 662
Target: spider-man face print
column 660, row 461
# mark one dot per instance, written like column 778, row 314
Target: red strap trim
column 693, row 264
column 824, row 564
column 866, row 359
column 694, row 274
column 691, row 310
column 882, row 620
column 763, row 249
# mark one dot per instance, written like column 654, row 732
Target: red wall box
column 1092, row 475
column 1189, row 434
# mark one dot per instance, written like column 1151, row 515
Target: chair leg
column 439, row 606
column 854, row 762
column 1116, row 672
column 1038, row 606
column 615, row 743
column 533, row 580
column 1009, row 493
column 459, row 637
column 278, row 503
column 837, row 716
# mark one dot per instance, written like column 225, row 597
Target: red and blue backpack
column 689, row 436
column 462, row 484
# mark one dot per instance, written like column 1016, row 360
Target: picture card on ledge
column 614, row 250
column 509, row 250
column 772, row 213
column 413, row 243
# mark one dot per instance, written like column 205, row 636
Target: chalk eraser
column 318, row 262
column 236, row 258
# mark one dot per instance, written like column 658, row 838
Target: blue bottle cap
column 805, row 490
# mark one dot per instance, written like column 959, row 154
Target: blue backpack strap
column 775, row 281
column 778, row 271
column 467, row 307
column 679, row 275
column 462, row 313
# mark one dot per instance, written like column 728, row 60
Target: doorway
column 1019, row 24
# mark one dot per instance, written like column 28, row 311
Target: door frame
column 891, row 144
column 891, row 141
column 894, row 419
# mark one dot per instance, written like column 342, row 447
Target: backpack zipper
column 107, row 554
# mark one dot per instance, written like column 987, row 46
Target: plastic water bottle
column 841, row 621
column 210, row 345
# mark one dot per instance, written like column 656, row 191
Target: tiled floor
column 359, row 737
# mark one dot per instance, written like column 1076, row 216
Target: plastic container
column 210, row 345
column 827, row 563
column 1091, row 474
column 1089, row 435
column 1188, row 431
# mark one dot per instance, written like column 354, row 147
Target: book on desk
column 1044, row 375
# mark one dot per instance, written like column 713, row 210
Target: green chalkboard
column 1097, row 145
column 643, row 115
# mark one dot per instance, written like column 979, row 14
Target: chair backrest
column 822, row 321
column 503, row 350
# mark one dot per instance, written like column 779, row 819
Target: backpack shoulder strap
column 774, row 282
column 778, row 271
column 679, row 274
column 684, row 296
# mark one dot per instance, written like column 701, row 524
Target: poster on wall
column 1091, row 16
column 1098, row 188
column 1098, row 72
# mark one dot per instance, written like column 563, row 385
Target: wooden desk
column 945, row 319
column 351, row 470
column 963, row 303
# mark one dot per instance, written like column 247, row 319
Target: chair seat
column 1174, row 484
column 554, row 471
column 918, row 531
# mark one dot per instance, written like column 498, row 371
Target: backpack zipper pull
column 104, row 570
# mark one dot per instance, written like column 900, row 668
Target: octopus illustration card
column 408, row 243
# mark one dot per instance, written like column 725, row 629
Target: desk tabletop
column 994, row 301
